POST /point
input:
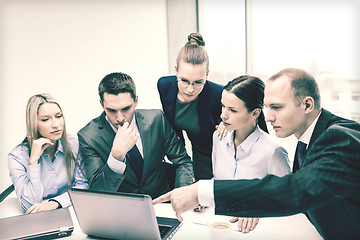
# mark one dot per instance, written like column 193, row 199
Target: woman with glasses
column 191, row 103
column 247, row 151
column 48, row 161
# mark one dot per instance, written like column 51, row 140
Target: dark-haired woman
column 191, row 103
column 247, row 151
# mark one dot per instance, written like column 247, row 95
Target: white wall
column 182, row 21
column 65, row 47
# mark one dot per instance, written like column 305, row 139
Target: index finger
column 163, row 198
column 125, row 125
column 31, row 209
column 43, row 141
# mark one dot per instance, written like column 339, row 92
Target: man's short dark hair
column 115, row 83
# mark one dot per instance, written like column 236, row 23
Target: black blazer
column 158, row 139
column 326, row 187
column 208, row 109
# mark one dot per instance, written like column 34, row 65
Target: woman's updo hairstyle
column 193, row 51
column 196, row 38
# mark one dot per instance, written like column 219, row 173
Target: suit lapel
column 320, row 127
column 145, row 135
column 170, row 101
column 106, row 132
column 203, row 110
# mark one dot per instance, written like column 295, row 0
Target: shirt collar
column 60, row 147
column 111, row 125
column 306, row 136
column 248, row 143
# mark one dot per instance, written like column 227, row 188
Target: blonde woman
column 47, row 162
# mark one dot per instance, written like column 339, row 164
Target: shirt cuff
column 63, row 200
column 116, row 165
column 53, row 200
column 206, row 193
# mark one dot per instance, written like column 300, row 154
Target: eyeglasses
column 186, row 83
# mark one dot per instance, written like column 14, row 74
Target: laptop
column 120, row 215
column 42, row 225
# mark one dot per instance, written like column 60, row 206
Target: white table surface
column 194, row 224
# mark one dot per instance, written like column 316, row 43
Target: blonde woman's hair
column 32, row 132
column 193, row 51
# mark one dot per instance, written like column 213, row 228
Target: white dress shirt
column 257, row 156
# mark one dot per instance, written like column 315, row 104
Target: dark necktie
column 299, row 155
column 136, row 161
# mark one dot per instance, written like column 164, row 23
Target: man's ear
column 101, row 103
column 136, row 101
column 309, row 104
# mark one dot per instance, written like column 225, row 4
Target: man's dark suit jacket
column 208, row 109
column 158, row 139
column 326, row 187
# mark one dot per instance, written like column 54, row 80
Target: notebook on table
column 120, row 216
column 42, row 225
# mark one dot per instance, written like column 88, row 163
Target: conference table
column 195, row 224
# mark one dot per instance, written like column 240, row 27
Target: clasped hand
column 38, row 147
column 124, row 140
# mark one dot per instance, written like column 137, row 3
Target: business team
column 326, row 180
column 124, row 149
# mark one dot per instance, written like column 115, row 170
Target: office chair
column 6, row 192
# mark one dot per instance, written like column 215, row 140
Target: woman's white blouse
column 256, row 157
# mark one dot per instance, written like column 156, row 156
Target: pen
column 204, row 224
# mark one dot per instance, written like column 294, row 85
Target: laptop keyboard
column 164, row 229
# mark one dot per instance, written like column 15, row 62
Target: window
column 262, row 37
column 317, row 36
column 222, row 25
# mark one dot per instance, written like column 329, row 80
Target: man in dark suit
column 326, row 180
column 124, row 148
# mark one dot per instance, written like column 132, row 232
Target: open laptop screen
column 118, row 215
